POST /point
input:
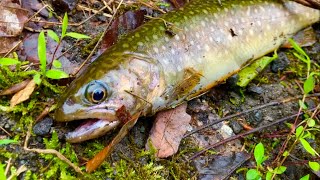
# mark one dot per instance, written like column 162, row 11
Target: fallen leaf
column 15, row 88
column 97, row 160
column 12, row 19
column 23, row 95
column 168, row 130
column 122, row 25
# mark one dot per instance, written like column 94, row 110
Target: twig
column 94, row 11
column 8, row 166
column 18, row 43
column 49, row 151
column 5, row 131
column 246, row 133
column 274, row 103
column 36, row 13
column 100, row 39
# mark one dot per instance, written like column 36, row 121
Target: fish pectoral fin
column 191, row 79
column 98, row 159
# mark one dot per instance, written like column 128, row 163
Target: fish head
column 95, row 97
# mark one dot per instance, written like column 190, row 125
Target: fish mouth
column 90, row 129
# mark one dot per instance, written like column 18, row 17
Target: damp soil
column 277, row 82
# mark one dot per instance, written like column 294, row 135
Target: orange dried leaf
column 23, row 95
column 97, row 160
column 168, row 130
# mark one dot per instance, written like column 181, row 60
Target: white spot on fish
column 192, row 42
column 203, row 23
column 155, row 37
column 268, row 27
column 205, row 11
column 251, row 32
column 259, row 23
column 218, row 39
column 165, row 61
column 156, row 50
column 166, row 39
column 197, row 35
column 177, row 37
column 240, row 32
column 206, row 47
column 179, row 68
column 249, row 11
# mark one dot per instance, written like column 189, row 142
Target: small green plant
column 53, row 73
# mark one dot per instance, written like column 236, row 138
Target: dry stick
column 100, row 39
column 49, row 151
column 5, row 131
column 8, row 167
column 250, row 110
column 246, row 133
column 18, row 43
column 36, row 13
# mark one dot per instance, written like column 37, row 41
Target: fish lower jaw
column 90, row 129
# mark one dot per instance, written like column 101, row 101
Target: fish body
column 179, row 56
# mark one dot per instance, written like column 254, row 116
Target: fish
column 176, row 57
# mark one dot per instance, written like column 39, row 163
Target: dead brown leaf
column 15, row 88
column 168, row 130
column 23, row 95
column 12, row 19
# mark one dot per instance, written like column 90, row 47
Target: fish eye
column 96, row 92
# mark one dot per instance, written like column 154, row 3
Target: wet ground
column 280, row 80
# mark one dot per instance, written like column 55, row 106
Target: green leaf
column 56, row 74
column 2, row 174
column 299, row 131
column 53, row 35
column 308, row 85
column 252, row 174
column 77, row 35
column 280, row 170
column 56, row 64
column 64, row 25
column 42, row 52
column 307, row 146
column 269, row 176
column 259, row 153
column 311, row 122
column 314, row 166
column 285, row 153
column 306, row 177
column 298, row 49
column 9, row 61
column 7, row 141
column 302, row 104
column 37, row 78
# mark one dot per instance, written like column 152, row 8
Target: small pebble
column 281, row 63
column 43, row 127
column 255, row 89
column 236, row 127
column 255, row 118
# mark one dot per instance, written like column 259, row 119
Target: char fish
column 176, row 57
